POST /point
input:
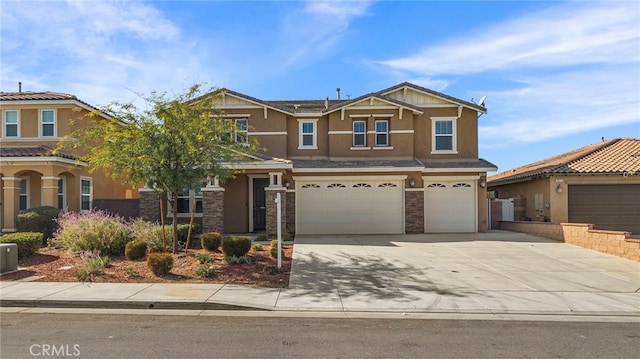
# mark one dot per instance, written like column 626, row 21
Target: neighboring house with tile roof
column 32, row 174
column 598, row 184
column 400, row 160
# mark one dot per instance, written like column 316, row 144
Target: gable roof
column 47, row 97
column 615, row 156
column 433, row 93
column 377, row 96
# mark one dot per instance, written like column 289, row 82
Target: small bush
column 132, row 272
column 160, row 263
column 274, row 249
column 204, row 258
column 231, row 260
column 93, row 266
column 211, row 241
column 38, row 219
column 263, row 237
column 28, row 242
column 256, row 247
column 135, row 250
column 236, row 246
column 149, row 233
column 94, row 230
column 206, row 272
column 270, row 269
column 245, row 259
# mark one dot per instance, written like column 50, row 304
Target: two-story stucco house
column 32, row 174
column 400, row 160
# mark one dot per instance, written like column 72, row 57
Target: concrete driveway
column 471, row 272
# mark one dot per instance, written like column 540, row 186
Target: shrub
column 206, row 272
column 204, row 258
column 270, row 269
column 256, row 247
column 211, row 241
column 263, row 237
column 135, row 250
column 160, row 263
column 38, row 219
column 274, row 249
column 132, row 272
column 149, row 233
column 236, row 246
column 28, row 242
column 95, row 230
column 93, row 265
column 245, row 259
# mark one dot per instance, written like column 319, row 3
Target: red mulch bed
column 56, row 265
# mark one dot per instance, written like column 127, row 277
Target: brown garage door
column 615, row 207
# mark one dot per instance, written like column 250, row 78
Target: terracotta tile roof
column 614, row 156
column 38, row 151
column 35, row 96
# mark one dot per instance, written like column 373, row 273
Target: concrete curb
column 124, row 304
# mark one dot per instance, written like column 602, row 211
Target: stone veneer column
column 272, row 210
column 149, row 205
column 291, row 214
column 213, row 209
column 414, row 210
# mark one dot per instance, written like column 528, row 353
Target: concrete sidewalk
column 488, row 273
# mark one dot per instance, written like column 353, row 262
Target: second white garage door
column 450, row 206
column 349, row 206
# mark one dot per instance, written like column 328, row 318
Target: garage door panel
column 450, row 207
column 355, row 206
column 613, row 207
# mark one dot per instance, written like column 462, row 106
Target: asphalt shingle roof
column 614, row 156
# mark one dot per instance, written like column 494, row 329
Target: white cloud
column 576, row 68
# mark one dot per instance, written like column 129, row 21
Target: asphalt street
column 157, row 336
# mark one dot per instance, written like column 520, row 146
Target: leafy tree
column 171, row 144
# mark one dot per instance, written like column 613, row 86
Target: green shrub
column 132, row 272
column 274, row 249
column 256, row 247
column 38, row 219
column 236, row 246
column 28, row 242
column 263, row 237
column 160, row 263
column 245, row 259
column 204, row 258
column 206, row 272
column 135, row 250
column 93, row 265
column 270, row 269
column 149, row 233
column 211, row 241
column 231, row 260
column 94, row 230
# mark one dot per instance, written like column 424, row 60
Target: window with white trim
column 242, row 130
column 86, row 193
column 359, row 133
column 444, row 136
column 11, row 124
column 47, row 123
column 24, row 194
column 62, row 201
column 382, row 133
column 308, row 135
column 190, row 199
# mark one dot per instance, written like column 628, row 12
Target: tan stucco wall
column 236, row 204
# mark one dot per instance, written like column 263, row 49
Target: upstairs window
column 359, row 133
column 308, row 135
column 11, row 124
column 382, row 133
column 48, row 123
column 242, row 130
column 444, row 136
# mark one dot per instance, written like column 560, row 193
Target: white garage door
column 349, row 206
column 450, row 206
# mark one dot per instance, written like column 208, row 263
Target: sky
column 558, row 75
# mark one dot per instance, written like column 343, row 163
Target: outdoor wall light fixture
column 287, row 184
column 559, row 188
column 483, row 183
column 412, row 182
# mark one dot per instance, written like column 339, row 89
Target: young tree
column 172, row 144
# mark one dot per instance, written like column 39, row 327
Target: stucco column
column 50, row 191
column 272, row 221
column 213, row 209
column 11, row 203
column 414, row 210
